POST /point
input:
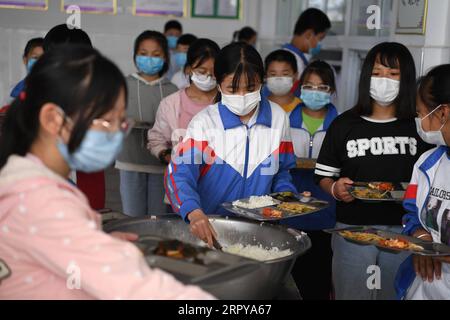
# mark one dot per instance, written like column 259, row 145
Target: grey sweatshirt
column 143, row 103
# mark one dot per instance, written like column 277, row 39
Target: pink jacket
column 53, row 243
column 171, row 122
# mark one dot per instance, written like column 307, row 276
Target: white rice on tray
column 257, row 252
column 256, row 202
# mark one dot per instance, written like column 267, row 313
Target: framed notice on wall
column 216, row 9
column 412, row 17
column 91, row 6
column 175, row 8
column 25, row 4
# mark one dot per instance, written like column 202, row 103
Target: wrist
column 163, row 154
column 333, row 194
column 423, row 235
column 193, row 215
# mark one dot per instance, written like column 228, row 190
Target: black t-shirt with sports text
column 366, row 150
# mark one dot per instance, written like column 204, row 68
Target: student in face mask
column 33, row 51
column 237, row 148
column 281, row 73
column 141, row 174
column 70, row 117
column 309, row 123
column 176, row 111
column 181, row 79
column 310, row 30
column 428, row 196
column 375, row 141
column 172, row 31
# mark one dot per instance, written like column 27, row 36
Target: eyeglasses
column 322, row 87
column 124, row 126
column 113, row 126
column 202, row 73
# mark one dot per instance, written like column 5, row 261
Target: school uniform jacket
column 308, row 146
column 305, row 144
column 221, row 159
column 416, row 198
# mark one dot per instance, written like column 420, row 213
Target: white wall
column 113, row 35
column 428, row 50
column 433, row 48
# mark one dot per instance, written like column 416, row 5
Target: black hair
column 245, row 34
column 434, row 87
column 173, row 24
column 162, row 42
column 200, row 51
column 281, row 56
column 33, row 43
column 239, row 58
column 323, row 70
column 314, row 19
column 61, row 34
column 82, row 82
column 391, row 55
column 186, row 39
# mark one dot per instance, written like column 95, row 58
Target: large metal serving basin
column 264, row 282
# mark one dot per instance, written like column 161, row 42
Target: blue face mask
column 315, row 51
column 180, row 59
column 30, row 64
column 97, row 151
column 149, row 65
column 315, row 100
column 172, row 42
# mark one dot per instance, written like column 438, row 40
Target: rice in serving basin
column 257, row 252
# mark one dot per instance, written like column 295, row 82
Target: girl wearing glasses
column 309, row 122
column 50, row 237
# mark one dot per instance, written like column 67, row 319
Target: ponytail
column 78, row 79
column 17, row 131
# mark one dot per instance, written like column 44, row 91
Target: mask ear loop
column 428, row 115
column 64, row 117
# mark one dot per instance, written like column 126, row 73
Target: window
column 289, row 11
column 335, row 10
column 360, row 16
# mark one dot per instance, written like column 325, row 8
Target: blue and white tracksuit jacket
column 222, row 160
column 308, row 146
column 416, row 198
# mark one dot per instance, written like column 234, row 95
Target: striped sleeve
column 411, row 221
column 329, row 162
column 182, row 176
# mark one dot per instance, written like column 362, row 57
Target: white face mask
column 241, row 105
column 384, row 90
column 280, row 86
column 203, row 82
column 431, row 137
